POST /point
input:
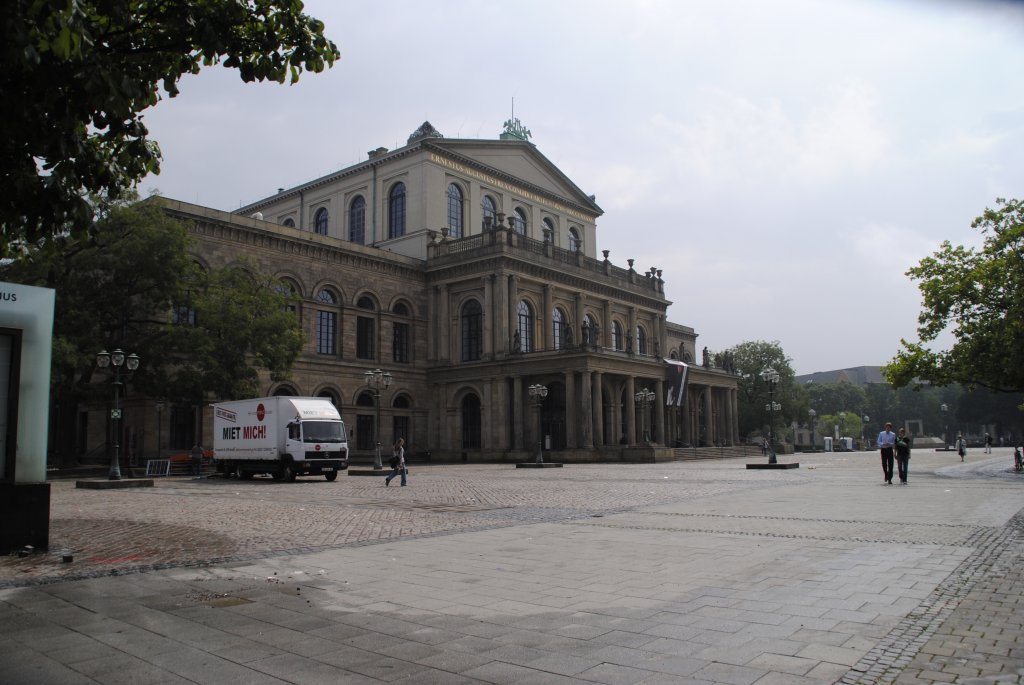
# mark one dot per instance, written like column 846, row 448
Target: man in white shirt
column 886, row 443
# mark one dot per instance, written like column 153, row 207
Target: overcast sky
column 783, row 162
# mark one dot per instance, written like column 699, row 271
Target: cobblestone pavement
column 670, row 573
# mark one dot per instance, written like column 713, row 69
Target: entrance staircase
column 726, row 452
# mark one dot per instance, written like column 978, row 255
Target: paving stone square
column 679, row 572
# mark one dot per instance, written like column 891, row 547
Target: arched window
column 366, row 330
column 519, row 221
column 575, row 244
column 396, row 211
column 454, row 211
column 641, row 340
column 489, row 209
column 289, row 222
column 320, row 221
column 525, row 328
column 329, row 395
column 357, row 220
column 471, row 422
column 558, row 329
column 472, row 331
column 326, row 323
column 400, row 335
column 549, row 231
column 290, row 294
column 616, row 335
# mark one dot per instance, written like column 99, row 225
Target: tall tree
column 751, row 359
column 979, row 296
column 76, row 75
column 132, row 284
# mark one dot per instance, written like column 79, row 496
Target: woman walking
column 397, row 463
column 902, row 454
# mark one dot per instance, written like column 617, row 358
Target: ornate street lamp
column 114, row 361
column 537, row 394
column 377, row 380
column 864, row 431
column 771, row 377
column 842, row 427
column 644, row 398
column 814, row 441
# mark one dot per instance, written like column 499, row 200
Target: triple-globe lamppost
column 864, row 431
column 537, row 394
column 377, row 380
column 771, row 377
column 814, row 440
column 644, row 398
column 114, row 361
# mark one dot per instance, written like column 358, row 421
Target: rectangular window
column 365, row 347
column 401, row 343
column 326, row 332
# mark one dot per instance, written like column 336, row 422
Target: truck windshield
column 323, row 431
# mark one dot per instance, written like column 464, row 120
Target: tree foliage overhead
column 118, row 288
column 979, row 296
column 751, row 359
column 76, row 74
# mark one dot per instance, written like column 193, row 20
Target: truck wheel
column 332, row 476
column 288, row 472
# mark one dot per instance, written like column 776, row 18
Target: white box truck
column 282, row 436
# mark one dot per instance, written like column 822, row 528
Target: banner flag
column 678, row 376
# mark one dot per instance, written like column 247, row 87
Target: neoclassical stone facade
column 468, row 270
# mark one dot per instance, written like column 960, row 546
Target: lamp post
column 864, row 431
column 814, row 442
column 644, row 398
column 944, row 408
column 116, row 359
column 842, row 426
column 377, row 380
column 537, row 394
column 771, row 377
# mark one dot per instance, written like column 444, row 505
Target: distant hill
column 858, row 375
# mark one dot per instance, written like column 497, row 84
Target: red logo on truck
column 261, row 412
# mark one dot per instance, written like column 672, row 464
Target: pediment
column 518, row 160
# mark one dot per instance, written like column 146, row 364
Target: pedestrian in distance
column 197, row 460
column 902, row 454
column 961, row 447
column 397, row 463
column 886, row 444
column 988, row 443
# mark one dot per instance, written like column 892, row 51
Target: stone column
column 503, row 339
column 586, row 412
column 630, row 333
column 571, row 409
column 445, row 323
column 630, row 410
column 606, row 325
column 487, row 417
column 432, row 317
column 709, row 416
column 513, row 309
column 577, row 333
column 598, row 409
column 488, row 319
column 659, row 412
column 547, row 339
column 517, row 413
